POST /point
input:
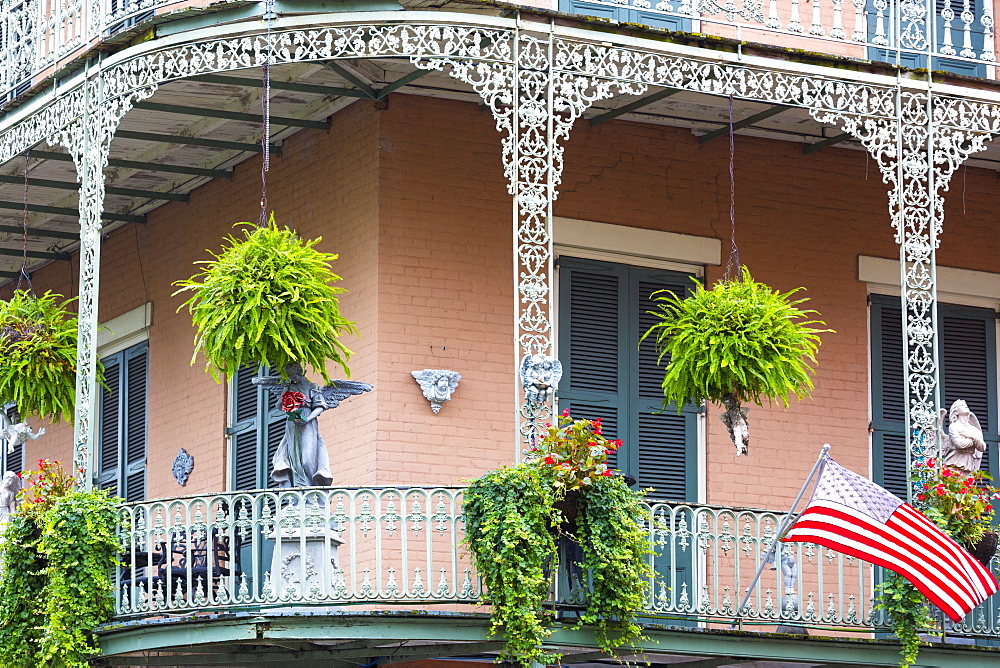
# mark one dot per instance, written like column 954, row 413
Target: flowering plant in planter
column 512, row 519
column 576, row 450
column 959, row 503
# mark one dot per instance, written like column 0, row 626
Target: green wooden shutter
column 134, row 405
column 666, row 452
column 592, row 329
column 606, row 375
column 969, row 367
column 257, row 429
column 12, row 461
column 888, row 396
column 246, row 413
column 121, row 450
column 109, row 432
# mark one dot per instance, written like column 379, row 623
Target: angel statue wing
column 338, row 390
column 974, row 421
column 273, row 384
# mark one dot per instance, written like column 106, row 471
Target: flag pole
column 782, row 529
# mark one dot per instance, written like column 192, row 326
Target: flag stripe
column 876, row 542
column 955, row 553
column 853, row 515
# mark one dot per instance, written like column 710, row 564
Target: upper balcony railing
column 39, row 36
column 371, row 547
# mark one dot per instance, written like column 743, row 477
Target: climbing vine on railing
column 58, row 553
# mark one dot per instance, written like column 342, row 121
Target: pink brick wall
column 413, row 198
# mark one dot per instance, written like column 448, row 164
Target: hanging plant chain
column 733, row 264
column 23, row 275
column 265, row 106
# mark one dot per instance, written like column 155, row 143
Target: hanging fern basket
column 734, row 343
column 267, row 299
column 38, row 337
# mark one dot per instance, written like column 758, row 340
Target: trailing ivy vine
column 908, row 614
column 508, row 516
column 22, row 580
column 616, row 552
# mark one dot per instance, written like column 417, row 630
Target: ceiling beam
column 820, row 145
column 632, row 106
column 145, row 166
column 368, row 91
column 9, row 274
column 750, row 120
column 67, row 211
column 110, row 190
column 280, row 85
column 41, row 255
column 38, row 232
column 710, row 663
column 231, row 115
column 384, row 91
column 195, row 141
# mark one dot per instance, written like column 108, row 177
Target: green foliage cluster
column 511, row 524
column 58, row 552
column 38, row 355
column 265, row 300
column 508, row 516
column 739, row 337
column 908, row 614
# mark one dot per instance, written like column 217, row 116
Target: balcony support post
column 535, row 104
column 88, row 141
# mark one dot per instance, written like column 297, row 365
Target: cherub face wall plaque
column 437, row 385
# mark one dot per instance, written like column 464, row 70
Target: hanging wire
column 23, row 275
column 265, row 107
column 733, row 265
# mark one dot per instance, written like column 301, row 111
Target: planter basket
column 984, row 550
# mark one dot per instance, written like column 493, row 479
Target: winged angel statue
column 301, row 459
column 962, row 447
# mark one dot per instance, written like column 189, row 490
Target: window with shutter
column 607, row 375
column 13, row 460
column 967, row 354
column 121, row 456
column 256, row 429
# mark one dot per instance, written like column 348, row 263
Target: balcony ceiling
column 197, row 129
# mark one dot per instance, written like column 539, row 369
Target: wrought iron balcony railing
column 37, row 36
column 371, row 547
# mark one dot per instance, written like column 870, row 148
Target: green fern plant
column 266, row 299
column 38, row 337
column 738, row 338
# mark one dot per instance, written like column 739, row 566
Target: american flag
column 851, row 514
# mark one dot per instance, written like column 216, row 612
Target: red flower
column 920, row 497
column 607, row 473
column 292, row 401
column 566, row 413
column 930, row 462
column 940, row 490
column 549, row 460
column 989, row 507
column 946, row 473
